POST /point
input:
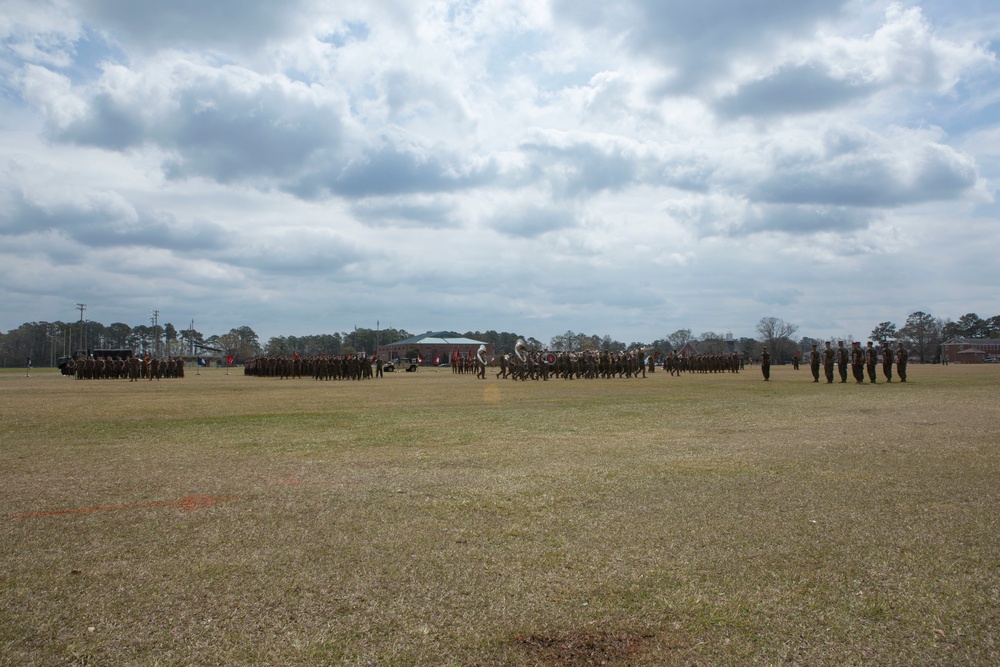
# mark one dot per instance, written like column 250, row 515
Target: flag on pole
column 229, row 360
column 202, row 361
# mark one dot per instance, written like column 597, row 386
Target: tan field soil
column 434, row 519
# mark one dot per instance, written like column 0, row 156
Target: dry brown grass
column 432, row 519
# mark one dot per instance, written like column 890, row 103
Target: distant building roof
column 688, row 348
column 972, row 341
column 438, row 338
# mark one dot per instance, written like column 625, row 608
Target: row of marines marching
column 591, row 364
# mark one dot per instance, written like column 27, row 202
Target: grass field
column 433, row 519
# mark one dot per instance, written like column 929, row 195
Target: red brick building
column 970, row 350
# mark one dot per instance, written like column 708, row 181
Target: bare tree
column 679, row 338
column 711, row 343
column 568, row 341
column 776, row 334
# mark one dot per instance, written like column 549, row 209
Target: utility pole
column 154, row 319
column 82, row 307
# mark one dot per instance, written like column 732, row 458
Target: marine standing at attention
column 828, row 356
column 887, row 361
column 858, row 362
column 871, row 360
column 843, row 360
column 901, row 357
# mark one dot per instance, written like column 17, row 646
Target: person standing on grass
column 858, row 362
column 871, row 360
column 481, row 363
column 828, row 356
column 27, row 373
column 765, row 364
column 843, row 360
column 901, row 358
column 887, row 361
column 814, row 363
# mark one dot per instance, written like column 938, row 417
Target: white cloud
column 39, row 32
column 627, row 167
column 52, row 94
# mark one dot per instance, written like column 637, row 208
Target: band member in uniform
column 481, row 362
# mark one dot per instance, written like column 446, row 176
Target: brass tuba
column 521, row 350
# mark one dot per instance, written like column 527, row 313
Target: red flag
column 229, row 360
column 295, row 354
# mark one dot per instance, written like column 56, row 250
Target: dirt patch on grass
column 600, row 646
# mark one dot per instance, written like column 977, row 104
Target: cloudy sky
column 611, row 167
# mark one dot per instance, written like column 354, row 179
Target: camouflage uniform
column 828, row 356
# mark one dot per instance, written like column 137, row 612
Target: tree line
column 45, row 342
